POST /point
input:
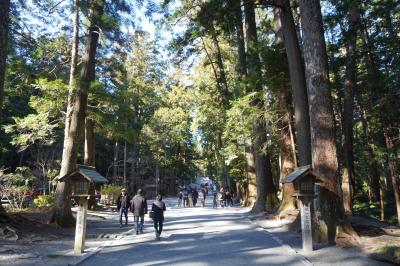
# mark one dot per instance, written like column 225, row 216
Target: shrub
column 112, row 192
column 44, row 201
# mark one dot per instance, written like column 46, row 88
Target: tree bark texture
column 288, row 161
column 4, row 24
column 251, row 176
column 348, row 180
column 393, row 170
column 240, row 39
column 324, row 156
column 221, row 79
column 298, row 82
column 115, row 163
column 76, row 116
column 89, row 157
column 266, row 192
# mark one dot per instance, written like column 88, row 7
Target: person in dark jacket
column 158, row 209
column 139, row 209
column 123, row 206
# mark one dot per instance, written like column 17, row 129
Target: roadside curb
column 95, row 250
column 291, row 250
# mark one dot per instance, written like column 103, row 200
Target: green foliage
column 44, row 201
column 112, row 190
column 32, row 129
column 389, row 250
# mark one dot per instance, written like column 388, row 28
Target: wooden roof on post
column 298, row 174
column 89, row 173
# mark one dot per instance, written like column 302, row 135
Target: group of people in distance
column 188, row 197
column 138, row 206
column 223, row 198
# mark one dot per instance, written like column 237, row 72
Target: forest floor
column 40, row 243
column 44, row 244
column 375, row 242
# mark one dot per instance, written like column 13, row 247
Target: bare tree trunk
column 125, row 157
column 4, row 23
column 89, row 157
column 221, row 73
column 76, row 112
column 133, row 184
column 266, row 192
column 382, row 201
column 373, row 166
column 115, row 168
column 251, row 176
column 242, row 62
column 394, row 174
column 287, row 165
column 348, row 180
column 298, row 82
column 323, row 146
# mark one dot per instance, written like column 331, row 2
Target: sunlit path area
column 198, row 236
column 287, row 111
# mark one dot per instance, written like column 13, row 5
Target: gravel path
column 199, row 236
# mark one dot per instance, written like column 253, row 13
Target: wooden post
column 80, row 232
column 305, row 213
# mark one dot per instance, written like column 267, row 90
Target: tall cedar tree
column 266, row 191
column 251, row 188
column 348, row 179
column 323, row 146
column 78, row 104
column 297, row 80
column 4, row 23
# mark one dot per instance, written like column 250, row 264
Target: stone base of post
column 80, row 231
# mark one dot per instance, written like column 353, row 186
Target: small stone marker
column 303, row 180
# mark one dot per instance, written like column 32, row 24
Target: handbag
column 151, row 214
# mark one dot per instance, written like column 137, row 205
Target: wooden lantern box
column 303, row 179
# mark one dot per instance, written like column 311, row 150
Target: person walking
column 139, row 209
column 215, row 201
column 190, row 198
column 185, row 197
column 158, row 209
column 202, row 197
column 228, row 197
column 180, row 198
column 123, row 206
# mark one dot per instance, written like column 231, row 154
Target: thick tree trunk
column 394, row 174
column 76, row 113
column 288, row 203
column 323, row 146
column 348, row 179
column 298, row 82
column 4, row 22
column 251, row 176
column 89, row 157
column 266, row 192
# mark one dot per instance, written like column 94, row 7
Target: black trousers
column 158, row 225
